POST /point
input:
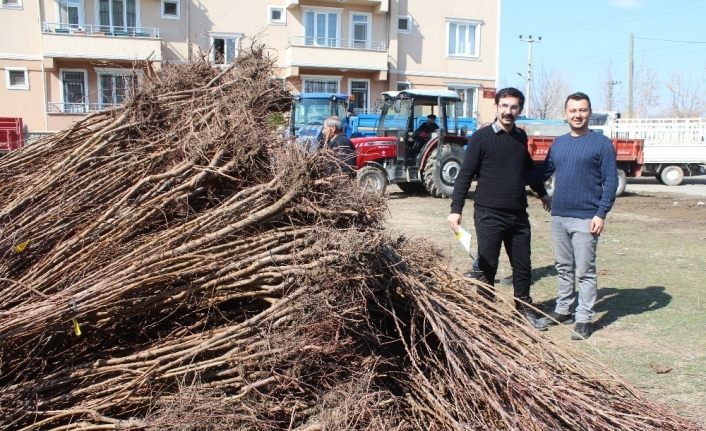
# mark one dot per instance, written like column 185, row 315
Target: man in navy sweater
column 498, row 156
column 583, row 163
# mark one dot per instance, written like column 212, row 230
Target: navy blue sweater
column 586, row 175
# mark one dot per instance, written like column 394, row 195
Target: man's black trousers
column 495, row 227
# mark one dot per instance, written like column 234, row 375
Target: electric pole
column 528, row 89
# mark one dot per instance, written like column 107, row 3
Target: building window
column 70, row 13
column 322, row 27
column 16, row 78
column 11, row 4
column 73, row 84
column 117, row 14
column 224, row 48
column 404, row 24
column 171, row 9
column 463, row 38
column 320, row 85
column 276, row 15
column 469, row 96
column 360, row 94
column 403, row 85
column 360, row 30
column 114, row 86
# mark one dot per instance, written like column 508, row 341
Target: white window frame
column 81, row 14
column 476, row 96
column 212, row 56
column 178, row 9
column 409, row 24
column 326, row 10
column 338, row 79
column 282, row 20
column 8, row 82
column 113, row 72
column 407, row 85
column 112, row 26
column 368, row 25
column 17, row 5
column 85, row 88
column 350, row 90
column 476, row 24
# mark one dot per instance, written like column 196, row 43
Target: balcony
column 339, row 54
column 100, row 42
column 380, row 6
column 77, row 108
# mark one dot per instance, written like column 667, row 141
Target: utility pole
column 631, row 74
column 610, row 97
column 528, row 89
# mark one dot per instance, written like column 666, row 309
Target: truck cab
column 392, row 156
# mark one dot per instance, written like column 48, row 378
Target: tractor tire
column 672, row 175
column 440, row 182
column 622, row 182
column 372, row 180
column 412, row 188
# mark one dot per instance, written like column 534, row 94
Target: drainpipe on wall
column 44, row 72
column 188, row 30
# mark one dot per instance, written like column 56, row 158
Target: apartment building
column 61, row 59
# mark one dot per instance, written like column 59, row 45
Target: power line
column 670, row 40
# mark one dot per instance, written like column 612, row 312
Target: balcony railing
column 77, row 108
column 99, row 30
column 325, row 42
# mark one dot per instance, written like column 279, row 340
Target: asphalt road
column 694, row 186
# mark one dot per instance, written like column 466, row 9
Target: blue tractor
column 309, row 111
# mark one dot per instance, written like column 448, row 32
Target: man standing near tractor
column 586, row 178
column 497, row 155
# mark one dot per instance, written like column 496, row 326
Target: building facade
column 61, row 59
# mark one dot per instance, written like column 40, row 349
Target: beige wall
column 19, row 31
column 26, row 102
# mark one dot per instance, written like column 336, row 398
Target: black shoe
column 555, row 317
column 529, row 315
column 581, row 331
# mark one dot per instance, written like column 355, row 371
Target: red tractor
column 415, row 163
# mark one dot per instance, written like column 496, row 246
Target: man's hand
column 546, row 202
column 454, row 220
column 597, row 225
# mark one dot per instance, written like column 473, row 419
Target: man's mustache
column 508, row 116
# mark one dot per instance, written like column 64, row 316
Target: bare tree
column 647, row 89
column 550, row 90
column 687, row 96
column 608, row 90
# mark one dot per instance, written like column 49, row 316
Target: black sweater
column 503, row 166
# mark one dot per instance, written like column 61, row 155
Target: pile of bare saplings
column 174, row 264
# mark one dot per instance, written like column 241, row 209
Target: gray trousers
column 575, row 261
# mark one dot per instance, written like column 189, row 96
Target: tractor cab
column 309, row 111
column 416, row 159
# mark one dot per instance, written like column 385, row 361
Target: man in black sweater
column 497, row 155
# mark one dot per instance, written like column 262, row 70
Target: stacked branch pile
column 220, row 278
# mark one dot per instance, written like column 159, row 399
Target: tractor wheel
column 412, row 188
column 622, row 182
column 372, row 180
column 672, row 175
column 440, row 175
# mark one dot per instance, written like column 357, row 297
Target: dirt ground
column 651, row 311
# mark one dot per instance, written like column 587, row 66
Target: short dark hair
column 510, row 92
column 578, row 96
column 432, row 116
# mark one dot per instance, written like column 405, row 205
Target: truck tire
column 372, row 180
column 672, row 175
column 440, row 182
column 622, row 182
column 412, row 188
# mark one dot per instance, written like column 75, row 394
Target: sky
column 581, row 41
